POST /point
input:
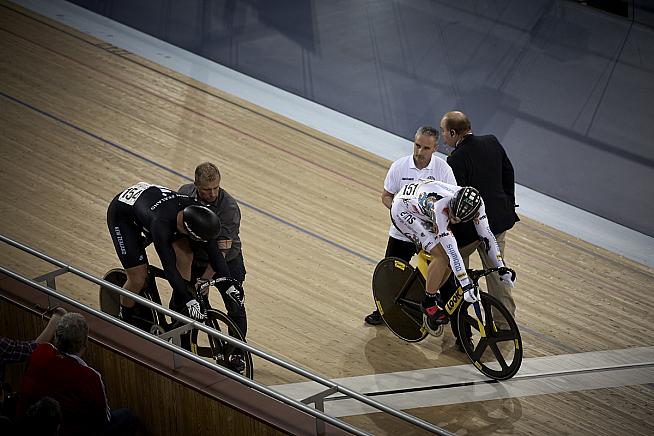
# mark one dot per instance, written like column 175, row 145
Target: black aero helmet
column 465, row 204
column 201, row 222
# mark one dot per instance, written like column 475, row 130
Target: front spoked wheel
column 496, row 347
column 219, row 351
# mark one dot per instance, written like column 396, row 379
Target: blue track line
column 172, row 171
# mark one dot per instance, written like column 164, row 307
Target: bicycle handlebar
column 476, row 274
column 213, row 282
column 158, row 272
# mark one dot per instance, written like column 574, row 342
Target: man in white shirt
column 422, row 164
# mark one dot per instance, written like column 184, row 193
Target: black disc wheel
column 144, row 317
column 398, row 302
column 495, row 348
column 109, row 299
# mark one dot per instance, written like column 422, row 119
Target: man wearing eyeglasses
column 421, row 164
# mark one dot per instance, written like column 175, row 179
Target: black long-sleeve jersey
column 154, row 210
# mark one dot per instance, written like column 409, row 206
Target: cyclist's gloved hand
column 507, row 276
column 232, row 288
column 195, row 311
column 470, row 293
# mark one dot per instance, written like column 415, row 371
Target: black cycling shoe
column 236, row 363
column 137, row 315
column 374, row 318
column 128, row 315
column 459, row 344
column 434, row 317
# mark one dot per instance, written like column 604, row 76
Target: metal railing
column 189, row 323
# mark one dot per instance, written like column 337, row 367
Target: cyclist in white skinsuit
column 423, row 212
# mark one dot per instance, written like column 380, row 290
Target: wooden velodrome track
column 80, row 121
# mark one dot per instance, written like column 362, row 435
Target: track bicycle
column 495, row 348
column 201, row 343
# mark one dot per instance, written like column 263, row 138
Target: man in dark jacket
column 481, row 162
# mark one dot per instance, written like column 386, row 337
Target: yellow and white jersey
column 421, row 213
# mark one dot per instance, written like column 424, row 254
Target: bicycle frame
column 400, row 298
column 485, row 340
column 455, row 300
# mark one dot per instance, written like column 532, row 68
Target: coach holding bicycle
column 206, row 190
column 421, row 164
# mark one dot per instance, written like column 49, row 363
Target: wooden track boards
column 82, row 120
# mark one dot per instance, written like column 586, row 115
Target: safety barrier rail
column 189, row 323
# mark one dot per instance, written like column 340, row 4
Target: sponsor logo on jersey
column 161, row 201
column 119, row 238
column 406, row 216
column 408, row 178
column 455, row 258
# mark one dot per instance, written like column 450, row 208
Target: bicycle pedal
column 438, row 332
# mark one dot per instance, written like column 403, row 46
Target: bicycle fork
column 455, row 301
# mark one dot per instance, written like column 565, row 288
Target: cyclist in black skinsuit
column 146, row 213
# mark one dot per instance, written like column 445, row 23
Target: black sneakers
column 374, row 318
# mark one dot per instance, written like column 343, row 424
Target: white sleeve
column 448, row 176
column 448, row 242
column 392, row 180
column 488, row 239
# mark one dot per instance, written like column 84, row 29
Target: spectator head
column 71, row 334
column 207, row 182
column 43, row 417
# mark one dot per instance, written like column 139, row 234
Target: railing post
column 49, row 278
column 319, row 403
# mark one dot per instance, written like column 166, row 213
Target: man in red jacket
column 58, row 371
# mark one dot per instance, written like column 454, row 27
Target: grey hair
column 427, row 131
column 71, row 334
